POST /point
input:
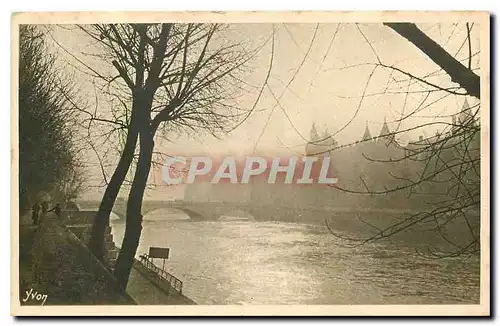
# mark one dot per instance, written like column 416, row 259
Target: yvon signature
column 34, row 295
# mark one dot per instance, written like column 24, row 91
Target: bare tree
column 439, row 176
column 458, row 73
column 49, row 152
column 185, row 74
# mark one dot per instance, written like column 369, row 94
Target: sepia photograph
column 250, row 163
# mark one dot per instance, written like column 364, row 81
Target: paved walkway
column 50, row 265
column 54, row 266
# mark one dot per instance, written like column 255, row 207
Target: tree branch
column 124, row 75
column 458, row 72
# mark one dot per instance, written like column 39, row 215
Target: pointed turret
column 465, row 115
column 314, row 133
column 465, row 106
column 312, row 147
column 327, row 139
column 326, row 135
column 385, row 129
column 385, row 134
column 367, row 135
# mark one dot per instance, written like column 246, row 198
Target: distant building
column 365, row 168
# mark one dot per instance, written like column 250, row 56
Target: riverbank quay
column 55, row 263
column 143, row 288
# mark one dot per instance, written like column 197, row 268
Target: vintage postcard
column 251, row 163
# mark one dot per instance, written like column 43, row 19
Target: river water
column 249, row 262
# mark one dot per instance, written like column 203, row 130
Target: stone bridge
column 212, row 211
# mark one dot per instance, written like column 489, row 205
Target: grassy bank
column 53, row 262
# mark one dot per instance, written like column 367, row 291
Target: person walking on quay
column 45, row 209
column 57, row 210
column 35, row 215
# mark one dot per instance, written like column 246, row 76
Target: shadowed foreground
column 54, row 262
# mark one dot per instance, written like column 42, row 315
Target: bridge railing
column 162, row 274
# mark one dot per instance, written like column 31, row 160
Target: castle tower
column 314, row 133
column 367, row 135
column 328, row 139
column 465, row 116
column 385, row 135
column 319, row 145
column 462, row 118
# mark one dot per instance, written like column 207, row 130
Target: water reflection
column 246, row 262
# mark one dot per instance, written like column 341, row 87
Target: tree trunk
column 108, row 200
column 458, row 73
column 134, row 206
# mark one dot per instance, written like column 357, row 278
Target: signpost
column 159, row 252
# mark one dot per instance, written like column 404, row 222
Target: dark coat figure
column 35, row 215
column 45, row 209
column 57, row 210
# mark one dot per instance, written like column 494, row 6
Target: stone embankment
column 56, row 263
column 144, row 287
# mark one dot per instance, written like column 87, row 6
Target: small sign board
column 157, row 252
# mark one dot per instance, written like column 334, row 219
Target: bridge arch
column 211, row 211
column 171, row 214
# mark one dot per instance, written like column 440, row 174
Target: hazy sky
column 326, row 88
